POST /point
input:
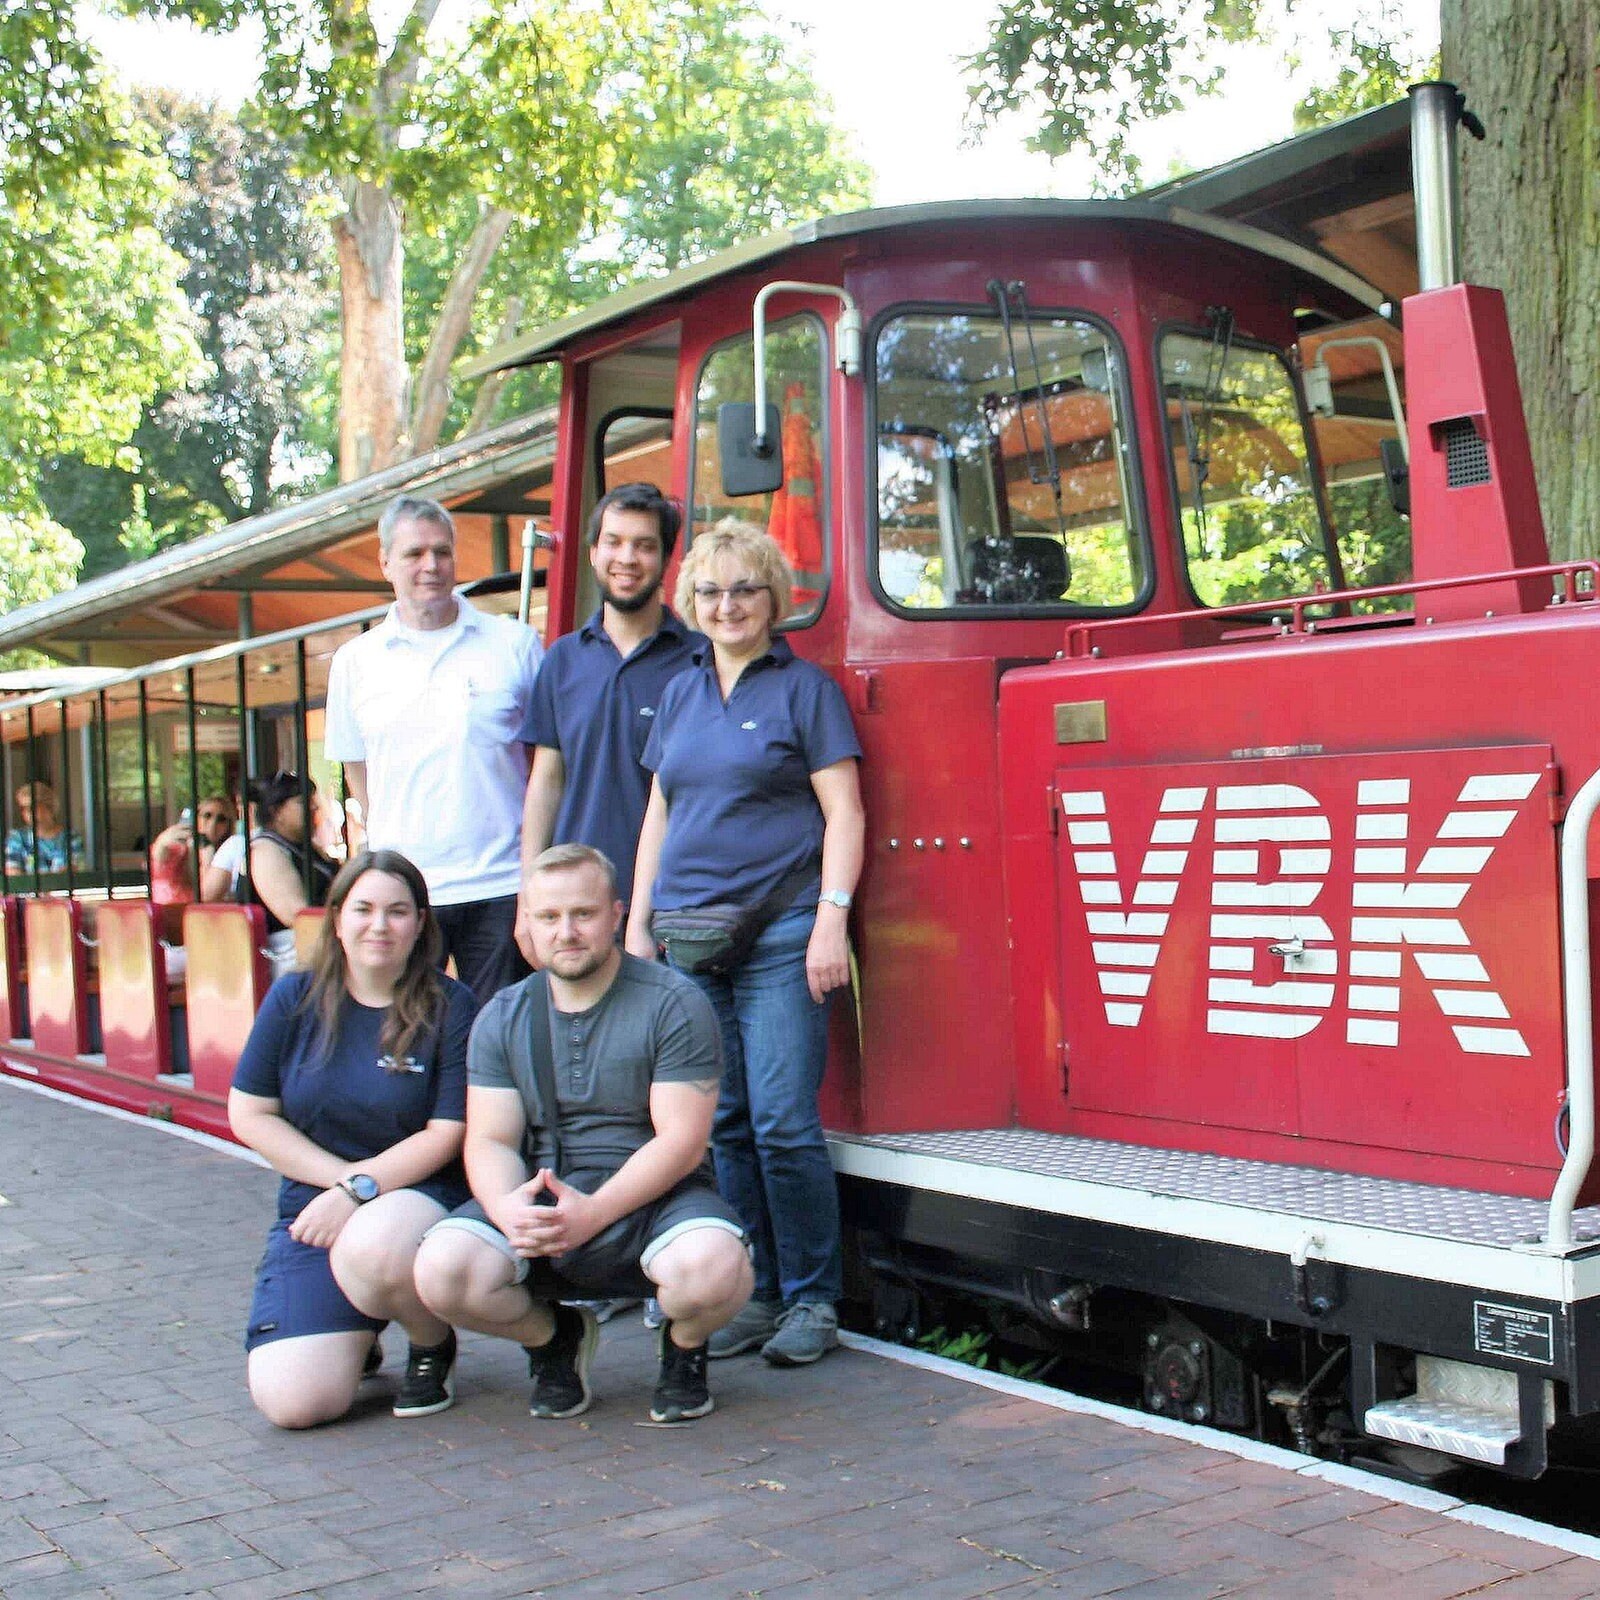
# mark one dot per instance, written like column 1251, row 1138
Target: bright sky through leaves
column 896, row 87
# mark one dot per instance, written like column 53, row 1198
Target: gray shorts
column 613, row 1264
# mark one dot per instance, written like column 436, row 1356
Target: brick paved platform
column 131, row 1463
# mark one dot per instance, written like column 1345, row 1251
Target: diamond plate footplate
column 1458, row 1430
column 1464, row 1215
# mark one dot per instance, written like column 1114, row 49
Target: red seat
column 307, row 926
column 135, row 1014
column 228, row 975
column 58, row 976
column 13, row 1020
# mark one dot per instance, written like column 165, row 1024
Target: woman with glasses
column 280, row 849
column 755, row 810
column 353, row 1085
column 171, row 875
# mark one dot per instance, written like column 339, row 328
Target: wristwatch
column 835, row 897
column 360, row 1187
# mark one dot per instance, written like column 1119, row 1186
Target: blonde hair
column 746, row 544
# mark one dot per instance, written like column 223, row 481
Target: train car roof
column 549, row 342
column 285, row 554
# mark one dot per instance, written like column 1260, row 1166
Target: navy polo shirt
column 741, row 811
column 597, row 709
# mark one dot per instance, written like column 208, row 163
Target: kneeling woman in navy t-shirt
column 353, row 1085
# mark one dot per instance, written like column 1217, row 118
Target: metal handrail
column 1080, row 635
column 1579, row 1015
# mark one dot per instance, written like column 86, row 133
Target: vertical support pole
column 105, row 793
column 247, row 615
column 9, row 769
column 303, row 760
column 33, row 795
column 194, row 781
column 241, row 692
column 66, row 795
column 144, row 782
column 499, row 543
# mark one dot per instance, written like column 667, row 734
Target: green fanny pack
column 717, row 939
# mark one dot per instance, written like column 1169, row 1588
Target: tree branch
column 455, row 317
column 399, row 71
column 494, row 382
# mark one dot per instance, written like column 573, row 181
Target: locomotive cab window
column 796, row 516
column 1253, row 525
column 1003, row 465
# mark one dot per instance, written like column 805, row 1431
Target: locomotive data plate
column 1081, row 722
column 1514, row 1332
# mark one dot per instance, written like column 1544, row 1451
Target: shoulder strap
column 544, row 1068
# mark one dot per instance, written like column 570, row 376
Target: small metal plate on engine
column 1081, row 722
column 1514, row 1331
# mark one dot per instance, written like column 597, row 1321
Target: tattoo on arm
column 706, row 1085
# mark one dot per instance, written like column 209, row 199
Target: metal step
column 1476, row 1433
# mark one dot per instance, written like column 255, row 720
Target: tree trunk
column 455, row 318
column 1531, row 226
column 372, row 361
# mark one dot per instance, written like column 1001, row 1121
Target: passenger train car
column 1224, row 942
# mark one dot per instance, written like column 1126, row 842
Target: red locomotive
column 1220, row 909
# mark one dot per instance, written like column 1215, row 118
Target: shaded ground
column 132, row 1465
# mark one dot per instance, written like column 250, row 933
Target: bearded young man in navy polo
column 597, row 692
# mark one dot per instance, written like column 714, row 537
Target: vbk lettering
column 1404, row 902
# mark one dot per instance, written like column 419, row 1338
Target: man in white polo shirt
column 429, row 713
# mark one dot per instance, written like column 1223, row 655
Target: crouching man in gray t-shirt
column 620, row 1201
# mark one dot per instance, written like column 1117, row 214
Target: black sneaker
column 429, row 1383
column 560, row 1369
column 371, row 1367
column 681, row 1393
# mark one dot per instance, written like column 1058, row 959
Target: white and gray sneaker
column 749, row 1330
column 806, row 1332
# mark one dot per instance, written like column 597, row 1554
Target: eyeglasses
column 743, row 594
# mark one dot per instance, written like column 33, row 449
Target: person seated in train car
column 280, row 847
column 353, row 1086
column 596, row 696
column 41, row 837
column 591, row 1087
column 171, row 877
column 747, row 861
column 219, row 877
column 429, row 714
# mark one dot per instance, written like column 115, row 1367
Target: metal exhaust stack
column 1436, row 108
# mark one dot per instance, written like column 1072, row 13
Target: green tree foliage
column 76, row 376
column 92, row 321
column 56, row 124
column 546, row 149
column 1092, row 71
column 724, row 138
column 257, row 276
column 1373, row 67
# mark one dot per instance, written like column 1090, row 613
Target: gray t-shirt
column 651, row 1026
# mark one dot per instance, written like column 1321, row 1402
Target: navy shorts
column 296, row 1294
column 612, row 1264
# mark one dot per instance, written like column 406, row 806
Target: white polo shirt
column 441, row 719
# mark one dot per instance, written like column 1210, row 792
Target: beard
column 576, row 965
column 632, row 602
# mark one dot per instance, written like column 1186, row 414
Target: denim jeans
column 771, row 1158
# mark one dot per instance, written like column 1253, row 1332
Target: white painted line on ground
column 193, row 1135
column 1380, row 1488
